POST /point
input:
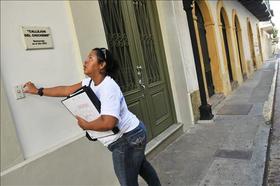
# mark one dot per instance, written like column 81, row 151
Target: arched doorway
column 239, row 44
column 251, row 43
column 209, row 36
column 204, row 51
column 226, row 45
column 208, row 52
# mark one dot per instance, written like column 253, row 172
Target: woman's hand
column 30, row 88
column 82, row 123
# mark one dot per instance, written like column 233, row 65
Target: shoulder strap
column 89, row 82
column 98, row 106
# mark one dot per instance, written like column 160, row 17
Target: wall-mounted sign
column 37, row 37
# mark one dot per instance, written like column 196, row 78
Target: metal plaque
column 37, row 37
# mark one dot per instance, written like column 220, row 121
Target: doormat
column 234, row 154
column 240, row 109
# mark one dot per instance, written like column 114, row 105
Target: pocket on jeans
column 138, row 139
column 114, row 145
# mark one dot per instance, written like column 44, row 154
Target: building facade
column 41, row 144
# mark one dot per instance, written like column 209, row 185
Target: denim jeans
column 129, row 159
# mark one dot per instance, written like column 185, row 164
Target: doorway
column 238, row 38
column 204, row 50
column 133, row 35
column 224, row 31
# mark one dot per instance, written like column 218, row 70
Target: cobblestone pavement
column 273, row 174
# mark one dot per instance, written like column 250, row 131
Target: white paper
column 80, row 105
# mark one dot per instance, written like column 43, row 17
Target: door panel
column 118, row 43
column 147, row 41
column 160, row 107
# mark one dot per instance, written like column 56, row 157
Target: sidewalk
column 229, row 151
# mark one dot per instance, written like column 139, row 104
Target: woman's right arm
column 59, row 91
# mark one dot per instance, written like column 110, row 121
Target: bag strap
column 115, row 129
column 89, row 82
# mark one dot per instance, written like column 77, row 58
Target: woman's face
column 91, row 65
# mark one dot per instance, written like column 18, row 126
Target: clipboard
column 84, row 103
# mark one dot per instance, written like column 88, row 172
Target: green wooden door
column 133, row 36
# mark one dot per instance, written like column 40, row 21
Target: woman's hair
column 104, row 55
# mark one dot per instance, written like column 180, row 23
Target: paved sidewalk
column 229, row 151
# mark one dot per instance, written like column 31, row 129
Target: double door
column 133, row 36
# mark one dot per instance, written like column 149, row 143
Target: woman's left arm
column 102, row 123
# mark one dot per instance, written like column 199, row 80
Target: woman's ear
column 102, row 66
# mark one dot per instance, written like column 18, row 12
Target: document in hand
column 84, row 103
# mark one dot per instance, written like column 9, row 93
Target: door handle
column 140, row 76
column 141, row 84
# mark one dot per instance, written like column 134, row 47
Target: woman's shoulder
column 110, row 82
column 86, row 81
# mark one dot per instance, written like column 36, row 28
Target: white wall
column 41, row 122
column 88, row 25
column 184, row 41
column 55, row 153
column 78, row 163
column 266, row 39
column 11, row 152
column 267, row 45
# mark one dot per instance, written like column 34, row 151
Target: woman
column 128, row 146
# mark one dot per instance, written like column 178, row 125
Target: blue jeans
column 129, row 158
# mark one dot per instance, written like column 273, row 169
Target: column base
column 206, row 112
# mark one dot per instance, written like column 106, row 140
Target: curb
column 268, row 104
column 268, row 114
